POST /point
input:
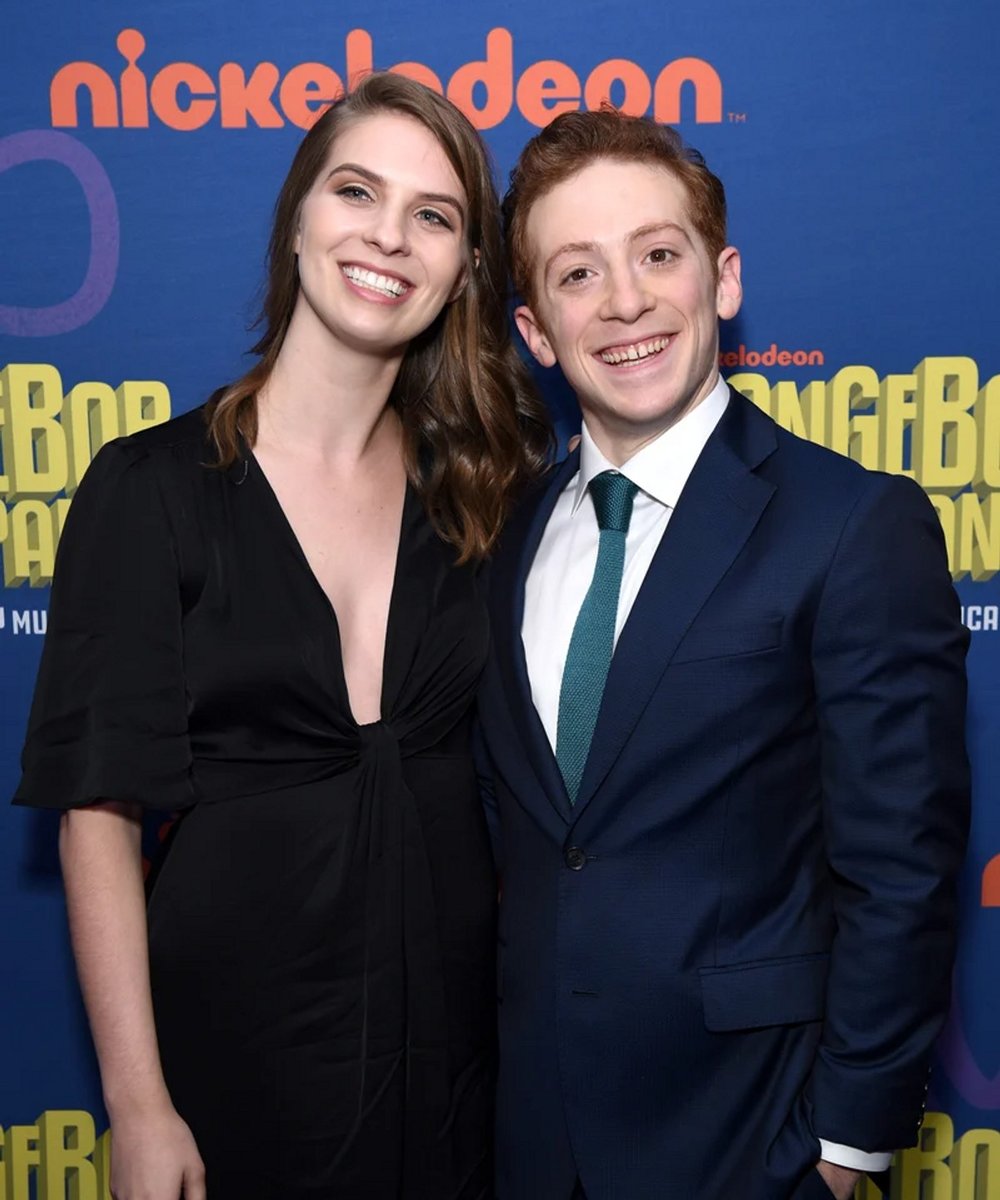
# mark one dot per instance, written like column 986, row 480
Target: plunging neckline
column 307, row 566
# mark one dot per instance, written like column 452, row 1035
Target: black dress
column 321, row 925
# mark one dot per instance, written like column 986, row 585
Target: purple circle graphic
column 959, row 1062
column 46, row 145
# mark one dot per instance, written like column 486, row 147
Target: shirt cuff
column 854, row 1160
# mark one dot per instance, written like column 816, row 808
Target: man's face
column 627, row 300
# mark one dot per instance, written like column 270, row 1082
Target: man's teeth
column 379, row 283
column 636, row 351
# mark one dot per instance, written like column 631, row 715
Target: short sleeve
column 109, row 715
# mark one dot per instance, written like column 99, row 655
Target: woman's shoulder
column 181, row 445
column 186, row 435
column 172, row 459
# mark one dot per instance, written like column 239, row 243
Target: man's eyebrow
column 570, row 248
column 660, row 227
column 377, row 180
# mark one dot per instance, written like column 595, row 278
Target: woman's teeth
column 378, row 283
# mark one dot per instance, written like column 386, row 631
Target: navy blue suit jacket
column 742, row 933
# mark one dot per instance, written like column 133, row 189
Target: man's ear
column 729, row 290
column 535, row 337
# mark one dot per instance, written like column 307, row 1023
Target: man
column 729, row 851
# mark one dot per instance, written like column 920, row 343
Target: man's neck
column 620, row 441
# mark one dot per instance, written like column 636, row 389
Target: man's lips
column 637, row 351
column 381, row 282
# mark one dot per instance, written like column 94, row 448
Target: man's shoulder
column 816, row 473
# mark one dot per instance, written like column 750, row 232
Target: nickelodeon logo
column 990, row 892
column 184, row 96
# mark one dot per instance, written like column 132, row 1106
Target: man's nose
column 626, row 298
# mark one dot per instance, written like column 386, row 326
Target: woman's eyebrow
column 378, row 180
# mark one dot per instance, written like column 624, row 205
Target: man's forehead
column 608, row 200
column 609, row 184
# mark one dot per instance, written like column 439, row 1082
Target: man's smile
column 630, row 352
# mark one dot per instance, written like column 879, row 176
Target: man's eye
column 661, row 255
column 577, row 275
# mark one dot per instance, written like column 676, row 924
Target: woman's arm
column 153, row 1155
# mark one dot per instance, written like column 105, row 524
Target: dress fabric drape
column 321, row 924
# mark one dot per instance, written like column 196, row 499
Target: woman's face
column 381, row 236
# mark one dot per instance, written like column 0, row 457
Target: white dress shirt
column 564, row 565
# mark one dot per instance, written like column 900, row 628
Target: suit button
column 575, row 858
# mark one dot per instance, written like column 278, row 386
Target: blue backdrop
column 141, row 148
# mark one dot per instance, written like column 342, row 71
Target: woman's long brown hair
column 474, row 430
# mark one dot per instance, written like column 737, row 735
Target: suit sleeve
column 889, row 668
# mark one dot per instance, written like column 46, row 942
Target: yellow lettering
column 142, row 403
column 978, row 543
column 4, row 481
column 944, row 438
column 755, row 388
column 20, row 1155
column 90, row 419
column 34, row 445
column 850, row 389
column 67, row 1141
column 896, row 408
column 988, row 426
column 30, row 546
column 815, row 411
column 923, row 1171
column 975, row 1165
column 786, row 409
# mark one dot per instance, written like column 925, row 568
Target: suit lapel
column 716, row 513
column 510, row 572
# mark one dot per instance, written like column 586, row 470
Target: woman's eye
column 661, row 255
column 353, row 191
column 430, row 216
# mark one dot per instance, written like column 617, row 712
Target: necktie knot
column 613, row 494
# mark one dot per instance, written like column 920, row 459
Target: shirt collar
column 661, row 468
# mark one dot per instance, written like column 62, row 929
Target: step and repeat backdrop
column 141, row 148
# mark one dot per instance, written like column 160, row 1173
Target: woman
column 267, row 615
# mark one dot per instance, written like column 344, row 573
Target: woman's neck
column 326, row 401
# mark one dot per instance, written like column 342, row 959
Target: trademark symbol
column 737, row 118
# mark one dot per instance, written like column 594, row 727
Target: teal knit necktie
column 592, row 643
